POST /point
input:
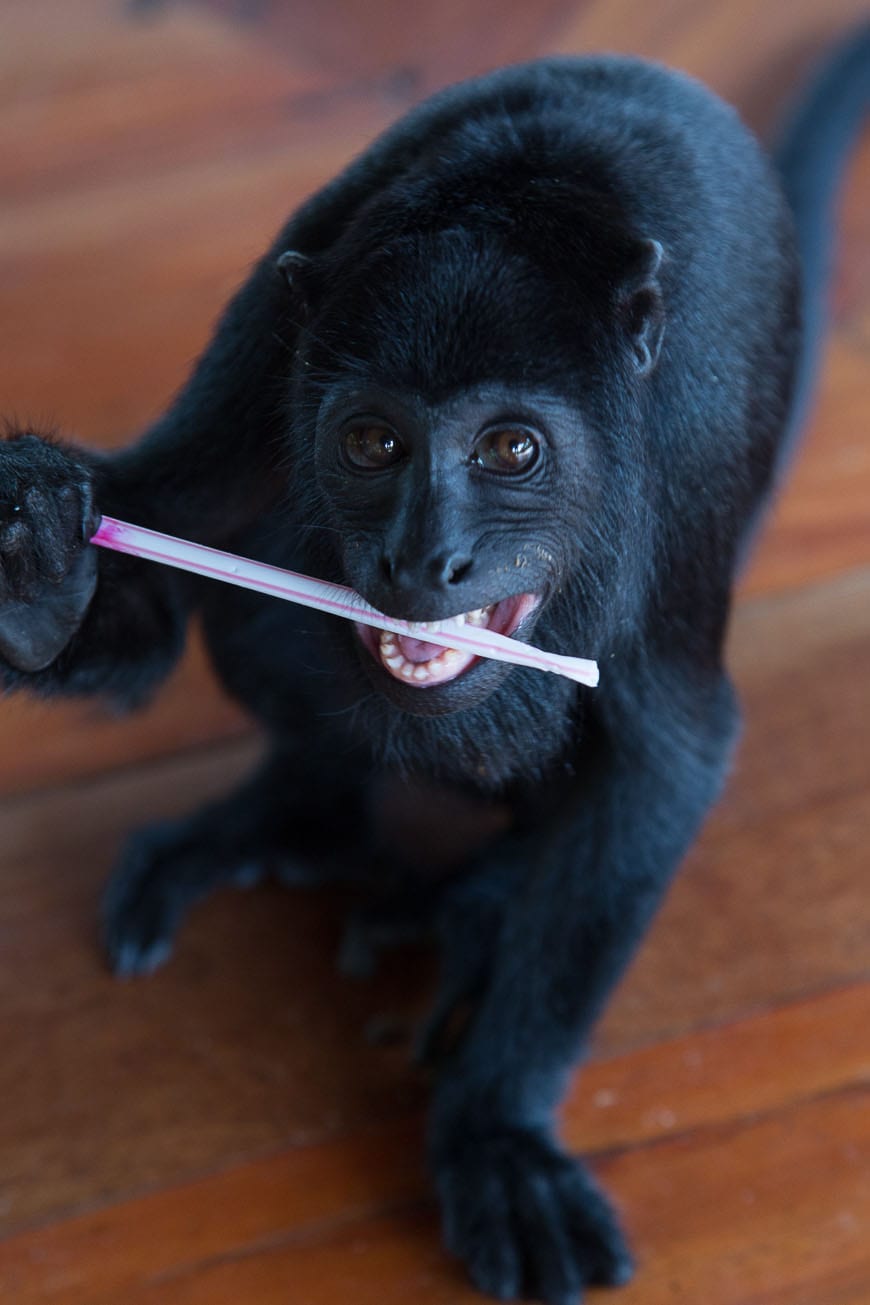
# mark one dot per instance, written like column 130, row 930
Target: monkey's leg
column 527, row 1218
column 297, row 819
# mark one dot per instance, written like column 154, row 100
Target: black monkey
column 531, row 358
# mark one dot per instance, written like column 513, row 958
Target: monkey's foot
column 526, row 1219
column 163, row 870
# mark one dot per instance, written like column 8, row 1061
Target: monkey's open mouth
column 414, row 661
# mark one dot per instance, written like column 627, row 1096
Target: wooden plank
column 819, row 527
column 800, row 662
column 710, row 1223
column 43, row 744
column 377, row 46
column 243, row 1229
column 753, row 57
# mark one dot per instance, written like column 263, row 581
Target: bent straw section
column 338, row 600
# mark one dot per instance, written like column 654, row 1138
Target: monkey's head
column 471, row 429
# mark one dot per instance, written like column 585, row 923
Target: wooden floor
column 244, row 1127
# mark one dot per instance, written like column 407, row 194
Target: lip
column 414, row 662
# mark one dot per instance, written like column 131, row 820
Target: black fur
column 594, row 251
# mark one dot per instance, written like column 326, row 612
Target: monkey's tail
column 811, row 155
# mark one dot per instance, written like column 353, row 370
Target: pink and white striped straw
column 326, row 597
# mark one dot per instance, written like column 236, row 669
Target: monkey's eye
column 372, row 448
column 506, row 451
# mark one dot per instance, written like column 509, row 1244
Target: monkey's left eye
column 506, row 451
column 372, row 448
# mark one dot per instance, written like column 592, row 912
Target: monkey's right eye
column 372, row 448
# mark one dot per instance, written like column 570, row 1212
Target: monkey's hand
column 47, row 571
column 526, row 1218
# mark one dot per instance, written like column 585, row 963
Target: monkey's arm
column 524, row 1216
column 63, row 627
column 74, row 621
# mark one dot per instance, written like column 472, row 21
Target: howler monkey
column 532, row 357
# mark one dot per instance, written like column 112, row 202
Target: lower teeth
column 400, row 666
column 391, row 657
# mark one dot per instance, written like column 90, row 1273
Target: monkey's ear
column 641, row 307
column 295, row 268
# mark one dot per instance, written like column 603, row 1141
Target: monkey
column 535, row 360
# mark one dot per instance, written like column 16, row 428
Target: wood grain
column 295, row 1216
column 231, row 1130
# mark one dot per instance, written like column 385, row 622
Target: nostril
column 456, row 569
column 387, row 568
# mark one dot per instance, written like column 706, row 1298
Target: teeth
column 389, row 650
column 436, row 670
column 480, row 617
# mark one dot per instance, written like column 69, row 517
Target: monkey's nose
column 436, row 572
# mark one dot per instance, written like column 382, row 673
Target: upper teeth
column 478, row 617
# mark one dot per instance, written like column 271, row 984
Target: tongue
column 416, row 650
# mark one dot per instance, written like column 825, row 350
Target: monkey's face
column 451, row 510
column 463, row 407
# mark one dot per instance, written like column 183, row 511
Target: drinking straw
column 338, row 600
